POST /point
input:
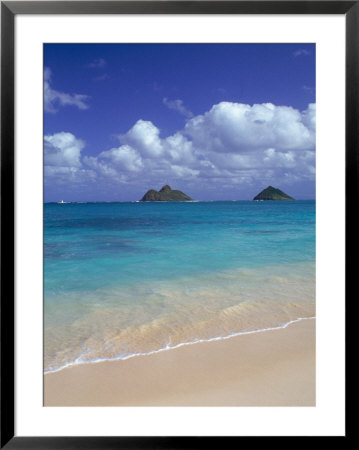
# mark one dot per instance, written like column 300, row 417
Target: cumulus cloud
column 230, row 145
column 239, row 128
column 63, row 149
column 177, row 105
column 145, row 137
column 121, row 159
column 102, row 168
column 309, row 118
column 53, row 98
column 62, row 158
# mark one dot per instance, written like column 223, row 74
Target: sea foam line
column 79, row 361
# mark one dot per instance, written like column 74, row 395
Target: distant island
column 271, row 193
column 166, row 194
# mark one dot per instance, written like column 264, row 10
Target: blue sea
column 122, row 279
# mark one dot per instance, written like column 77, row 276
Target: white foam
column 79, row 361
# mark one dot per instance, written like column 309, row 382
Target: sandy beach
column 268, row 368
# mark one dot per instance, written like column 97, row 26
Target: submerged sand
column 268, row 368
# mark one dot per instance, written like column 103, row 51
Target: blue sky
column 216, row 121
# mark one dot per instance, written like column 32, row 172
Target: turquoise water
column 128, row 278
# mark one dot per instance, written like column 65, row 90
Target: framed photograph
column 174, row 180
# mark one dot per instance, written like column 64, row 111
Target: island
column 166, row 194
column 271, row 193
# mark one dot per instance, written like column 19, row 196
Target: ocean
column 125, row 279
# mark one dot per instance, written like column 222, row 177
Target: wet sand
column 268, row 368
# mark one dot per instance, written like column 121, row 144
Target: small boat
column 61, row 202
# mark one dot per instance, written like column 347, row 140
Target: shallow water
column 130, row 278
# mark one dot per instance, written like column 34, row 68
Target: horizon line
column 185, row 201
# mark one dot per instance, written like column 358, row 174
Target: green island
column 271, row 193
column 166, row 194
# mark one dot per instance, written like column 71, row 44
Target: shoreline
column 269, row 367
column 182, row 344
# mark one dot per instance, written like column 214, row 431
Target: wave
column 79, row 361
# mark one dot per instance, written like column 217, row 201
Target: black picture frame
column 9, row 9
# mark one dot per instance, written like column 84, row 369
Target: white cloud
column 177, row 105
column 63, row 149
column 62, row 159
column 68, row 176
column 53, row 99
column 124, row 157
column 144, row 136
column 230, row 141
column 232, row 144
column 273, row 158
column 239, row 128
column 183, row 172
column 103, row 168
column 179, row 149
column 309, row 118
